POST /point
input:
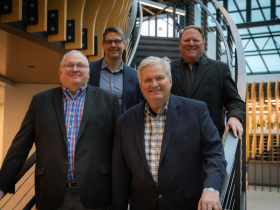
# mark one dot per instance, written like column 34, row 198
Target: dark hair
column 112, row 29
column 194, row 27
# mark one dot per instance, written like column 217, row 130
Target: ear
column 59, row 71
column 124, row 43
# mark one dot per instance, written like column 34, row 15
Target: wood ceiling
column 25, row 58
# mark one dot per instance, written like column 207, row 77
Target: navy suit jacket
column 132, row 94
column 192, row 158
column 213, row 85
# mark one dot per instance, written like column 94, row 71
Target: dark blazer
column 213, row 85
column 192, row 158
column 44, row 124
column 132, row 94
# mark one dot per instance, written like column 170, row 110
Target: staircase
column 157, row 46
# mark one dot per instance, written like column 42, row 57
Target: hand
column 208, row 201
column 1, row 194
column 236, row 126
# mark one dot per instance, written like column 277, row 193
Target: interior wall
column 17, row 100
column 1, row 119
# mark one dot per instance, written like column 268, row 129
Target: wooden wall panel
column 269, row 139
column 61, row 6
column 91, row 11
column 247, row 122
column 116, row 13
column 261, row 102
column 254, row 121
column 277, row 110
column 16, row 14
column 75, row 10
column 42, row 18
column 100, row 25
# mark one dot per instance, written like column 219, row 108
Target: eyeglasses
column 79, row 66
column 117, row 42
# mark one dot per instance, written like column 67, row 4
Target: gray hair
column 151, row 61
column 77, row 51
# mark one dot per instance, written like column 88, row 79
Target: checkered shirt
column 153, row 133
column 73, row 112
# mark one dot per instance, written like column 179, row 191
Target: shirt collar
column 184, row 62
column 80, row 91
column 161, row 111
column 105, row 66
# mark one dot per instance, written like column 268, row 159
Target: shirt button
column 157, row 162
column 157, row 134
column 66, row 162
column 160, row 196
column 112, row 84
column 69, row 169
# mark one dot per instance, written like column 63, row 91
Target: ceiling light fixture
column 162, row 6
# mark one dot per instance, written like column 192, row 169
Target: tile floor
column 263, row 200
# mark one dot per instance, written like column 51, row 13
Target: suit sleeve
column 212, row 151
column 231, row 99
column 121, row 175
column 18, row 151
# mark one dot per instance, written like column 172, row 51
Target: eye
column 148, row 80
column 160, row 78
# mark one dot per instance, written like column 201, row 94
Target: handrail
column 241, row 77
column 230, row 152
column 132, row 19
column 138, row 35
column 26, row 166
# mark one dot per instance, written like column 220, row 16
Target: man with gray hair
column 73, row 127
column 112, row 74
column 167, row 152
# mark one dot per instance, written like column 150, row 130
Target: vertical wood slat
column 100, row 25
column 16, row 14
column 91, row 11
column 261, row 102
column 247, row 122
column 116, row 13
column 120, row 18
column 42, row 18
column 277, row 110
column 75, row 10
column 61, row 6
column 254, row 121
column 269, row 114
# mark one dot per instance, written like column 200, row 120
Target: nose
column 191, row 42
column 113, row 44
column 154, row 83
column 75, row 68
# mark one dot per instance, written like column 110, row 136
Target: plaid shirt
column 73, row 112
column 153, row 133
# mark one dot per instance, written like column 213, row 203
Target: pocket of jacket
column 40, row 171
column 105, row 169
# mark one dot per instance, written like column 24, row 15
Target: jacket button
column 66, row 162
column 160, row 196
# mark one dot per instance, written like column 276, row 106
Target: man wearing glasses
column 73, row 128
column 112, row 74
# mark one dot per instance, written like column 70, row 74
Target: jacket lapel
column 201, row 71
column 59, row 110
column 179, row 75
column 138, row 123
column 128, row 86
column 88, row 107
column 172, row 119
